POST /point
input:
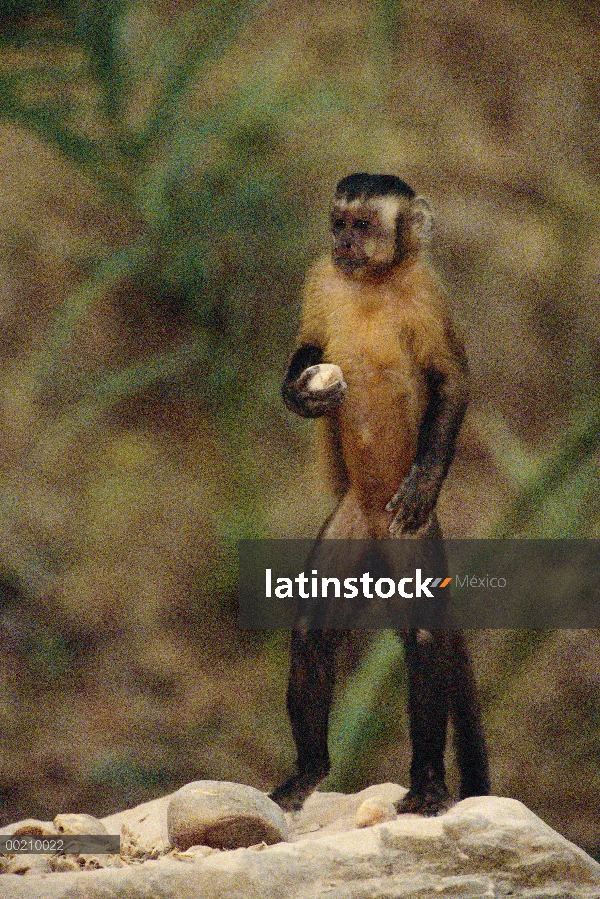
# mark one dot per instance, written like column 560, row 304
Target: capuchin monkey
column 379, row 362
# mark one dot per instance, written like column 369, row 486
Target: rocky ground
column 214, row 839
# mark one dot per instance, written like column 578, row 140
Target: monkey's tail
column 471, row 752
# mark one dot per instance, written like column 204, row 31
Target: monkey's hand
column 318, row 390
column 414, row 502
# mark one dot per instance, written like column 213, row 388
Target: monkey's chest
column 383, row 403
column 384, row 382
column 380, row 416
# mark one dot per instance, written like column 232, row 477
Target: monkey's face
column 367, row 234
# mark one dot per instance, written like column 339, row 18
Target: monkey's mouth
column 349, row 259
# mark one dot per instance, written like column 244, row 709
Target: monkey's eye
column 338, row 225
column 362, row 225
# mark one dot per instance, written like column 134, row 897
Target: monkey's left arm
column 448, row 396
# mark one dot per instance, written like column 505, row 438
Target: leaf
column 361, row 717
column 572, row 452
column 97, row 26
column 88, row 155
column 219, row 24
column 110, row 273
column 116, row 387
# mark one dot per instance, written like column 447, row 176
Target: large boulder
column 224, row 816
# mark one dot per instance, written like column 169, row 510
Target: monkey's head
column 376, row 222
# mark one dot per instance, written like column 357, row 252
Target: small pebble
column 374, row 811
column 76, row 824
column 64, row 863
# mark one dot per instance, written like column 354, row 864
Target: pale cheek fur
column 388, row 209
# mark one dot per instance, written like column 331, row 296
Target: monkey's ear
column 421, row 219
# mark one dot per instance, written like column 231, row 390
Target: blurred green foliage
column 12, row 11
column 193, row 214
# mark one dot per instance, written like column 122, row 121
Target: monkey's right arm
column 296, row 395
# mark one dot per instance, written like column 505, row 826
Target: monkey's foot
column 292, row 793
column 480, row 787
column 432, row 801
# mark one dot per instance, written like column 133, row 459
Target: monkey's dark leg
column 310, row 691
column 312, row 671
column 471, row 753
column 428, row 658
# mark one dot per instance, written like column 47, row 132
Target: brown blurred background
column 165, row 172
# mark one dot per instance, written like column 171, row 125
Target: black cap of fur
column 360, row 184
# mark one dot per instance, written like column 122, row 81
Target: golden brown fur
column 385, row 335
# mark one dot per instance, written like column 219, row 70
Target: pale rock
column 30, row 827
column 325, row 813
column 63, row 863
column 481, row 848
column 375, row 811
column 92, row 862
column 18, row 864
column 79, row 824
column 143, row 829
column 28, row 864
column 224, row 816
column 193, row 853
